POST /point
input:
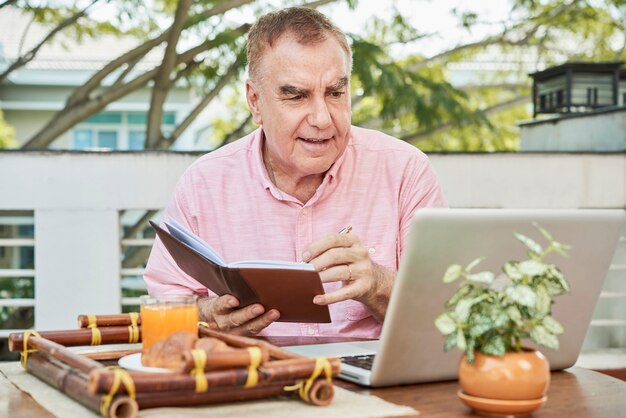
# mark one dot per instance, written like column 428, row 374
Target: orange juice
column 160, row 320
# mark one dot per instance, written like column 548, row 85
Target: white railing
column 77, row 199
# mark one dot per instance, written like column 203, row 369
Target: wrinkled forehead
column 290, row 45
column 287, row 56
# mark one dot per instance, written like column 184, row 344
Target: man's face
column 303, row 102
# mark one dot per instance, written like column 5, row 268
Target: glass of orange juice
column 161, row 316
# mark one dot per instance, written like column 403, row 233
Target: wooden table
column 575, row 392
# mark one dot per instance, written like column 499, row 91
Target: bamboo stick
column 76, row 337
column 73, row 385
column 320, row 393
column 286, row 372
column 64, row 355
column 238, row 341
column 219, row 360
column 107, row 320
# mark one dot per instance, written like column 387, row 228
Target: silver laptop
column 410, row 349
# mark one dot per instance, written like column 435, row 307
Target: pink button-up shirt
column 227, row 198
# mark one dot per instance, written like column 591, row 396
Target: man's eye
column 337, row 93
column 296, row 98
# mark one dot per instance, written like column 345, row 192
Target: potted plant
column 488, row 317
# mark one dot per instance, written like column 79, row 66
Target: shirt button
column 311, row 331
column 372, row 250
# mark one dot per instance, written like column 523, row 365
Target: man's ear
column 252, row 96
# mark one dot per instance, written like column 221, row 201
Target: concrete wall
column 600, row 131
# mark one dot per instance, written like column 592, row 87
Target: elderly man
column 284, row 191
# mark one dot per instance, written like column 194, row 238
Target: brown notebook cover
column 290, row 291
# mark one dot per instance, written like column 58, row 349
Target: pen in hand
column 346, row 230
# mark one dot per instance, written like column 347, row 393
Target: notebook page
column 193, row 241
column 269, row 264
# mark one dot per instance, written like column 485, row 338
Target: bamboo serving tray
column 255, row 370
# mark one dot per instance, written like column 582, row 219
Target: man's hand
column 342, row 257
column 223, row 313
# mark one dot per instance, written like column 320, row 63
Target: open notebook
column 410, row 349
column 286, row 286
column 192, row 240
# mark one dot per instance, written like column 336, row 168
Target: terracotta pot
column 523, row 375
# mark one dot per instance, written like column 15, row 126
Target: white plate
column 133, row 362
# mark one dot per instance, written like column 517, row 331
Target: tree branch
column 500, row 39
column 221, row 83
column 423, row 135
column 162, row 83
column 82, row 93
column 30, row 55
column 8, row 3
column 236, row 133
column 140, row 224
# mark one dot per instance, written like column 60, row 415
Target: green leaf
column 532, row 245
column 452, row 273
column 561, row 249
column 486, row 277
column 458, row 295
column 460, row 340
column 552, row 325
column 511, row 270
column 542, row 336
column 462, row 309
column 532, row 268
column 445, row 324
column 544, row 232
column 494, row 346
column 480, row 324
column 473, row 264
column 544, row 301
column 450, row 342
column 522, row 294
column 515, row 315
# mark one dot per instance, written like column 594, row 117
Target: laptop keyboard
column 363, row 361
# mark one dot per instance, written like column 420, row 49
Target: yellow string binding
column 92, row 324
column 199, row 360
column 119, row 376
column 133, row 329
column 303, row 386
column 25, row 350
column 255, row 362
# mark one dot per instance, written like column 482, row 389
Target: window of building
column 117, row 130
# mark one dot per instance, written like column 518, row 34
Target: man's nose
column 319, row 115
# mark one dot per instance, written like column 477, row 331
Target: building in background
column 31, row 95
column 579, row 107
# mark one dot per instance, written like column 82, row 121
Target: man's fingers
column 334, row 257
column 256, row 325
column 322, row 245
column 239, row 317
column 350, row 291
column 338, row 273
column 224, row 304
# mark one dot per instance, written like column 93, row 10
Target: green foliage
column 7, row 133
column 495, row 319
column 405, row 94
